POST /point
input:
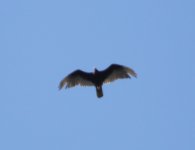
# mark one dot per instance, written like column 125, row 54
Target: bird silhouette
column 97, row 78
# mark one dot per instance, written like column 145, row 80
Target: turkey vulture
column 97, row 78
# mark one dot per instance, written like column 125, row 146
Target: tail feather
column 99, row 91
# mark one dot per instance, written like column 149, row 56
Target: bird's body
column 97, row 78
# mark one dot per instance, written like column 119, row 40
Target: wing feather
column 77, row 77
column 115, row 71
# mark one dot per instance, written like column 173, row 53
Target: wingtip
column 60, row 86
column 131, row 72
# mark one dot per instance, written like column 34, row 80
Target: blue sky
column 42, row 41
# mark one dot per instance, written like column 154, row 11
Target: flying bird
column 97, row 78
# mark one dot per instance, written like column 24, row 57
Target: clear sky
column 41, row 41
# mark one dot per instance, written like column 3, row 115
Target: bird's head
column 95, row 71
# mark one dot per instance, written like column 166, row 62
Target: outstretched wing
column 115, row 71
column 77, row 77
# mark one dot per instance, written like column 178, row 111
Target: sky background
column 42, row 41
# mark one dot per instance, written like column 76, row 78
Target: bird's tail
column 99, row 91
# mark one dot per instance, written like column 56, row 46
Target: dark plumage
column 97, row 78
